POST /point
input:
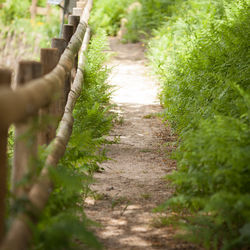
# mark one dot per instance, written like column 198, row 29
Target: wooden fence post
column 49, row 59
column 33, row 9
column 24, row 150
column 74, row 20
column 68, row 31
column 61, row 45
column 5, row 81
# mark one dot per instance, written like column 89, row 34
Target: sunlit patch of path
column 132, row 184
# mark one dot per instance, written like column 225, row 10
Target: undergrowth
column 201, row 54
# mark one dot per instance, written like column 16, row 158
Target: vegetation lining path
column 132, row 184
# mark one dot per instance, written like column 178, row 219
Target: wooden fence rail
column 52, row 93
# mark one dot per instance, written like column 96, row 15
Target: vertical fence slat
column 68, row 31
column 74, row 20
column 24, row 150
column 60, row 44
column 33, row 9
column 49, row 58
column 5, row 80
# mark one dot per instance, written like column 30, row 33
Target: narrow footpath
column 132, row 183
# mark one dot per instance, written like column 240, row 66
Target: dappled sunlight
column 111, row 231
column 131, row 183
column 134, row 241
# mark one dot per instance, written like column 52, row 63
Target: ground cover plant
column 201, row 55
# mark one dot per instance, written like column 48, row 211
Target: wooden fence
column 46, row 88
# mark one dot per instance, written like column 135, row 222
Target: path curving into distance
column 132, row 183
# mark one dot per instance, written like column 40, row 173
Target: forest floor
column 132, row 182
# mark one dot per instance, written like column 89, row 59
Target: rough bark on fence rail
column 20, row 233
column 17, row 105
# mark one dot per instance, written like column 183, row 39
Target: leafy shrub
column 141, row 21
column 14, row 10
column 107, row 14
column 202, row 56
column 26, row 35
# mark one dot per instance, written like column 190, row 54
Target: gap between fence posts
column 5, row 80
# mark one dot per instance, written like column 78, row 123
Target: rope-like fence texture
column 19, row 105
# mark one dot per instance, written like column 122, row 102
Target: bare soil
column 132, row 183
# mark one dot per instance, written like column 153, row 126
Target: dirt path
column 132, row 184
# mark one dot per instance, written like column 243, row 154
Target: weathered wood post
column 68, row 31
column 49, row 59
column 33, row 9
column 61, row 45
column 74, row 20
column 25, row 146
column 5, row 81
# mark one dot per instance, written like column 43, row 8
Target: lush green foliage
column 15, row 18
column 108, row 13
column 14, row 10
column 202, row 57
column 141, row 21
